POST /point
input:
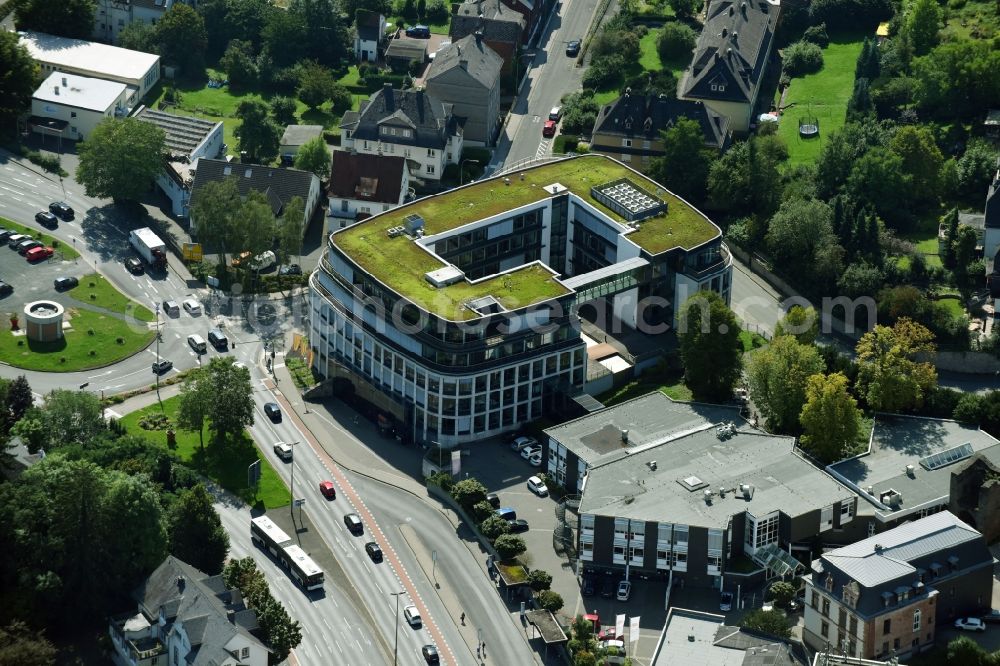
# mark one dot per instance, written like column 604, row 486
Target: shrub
column 771, row 622
column 782, row 592
column 509, row 546
column 120, row 340
column 550, row 601
column 341, row 98
column 62, row 359
column 437, row 11
column 93, row 352
column 817, row 35
column 802, row 58
column 604, row 73
column 468, row 493
column 539, row 580
column 93, row 297
column 494, row 527
column 90, row 331
column 676, row 41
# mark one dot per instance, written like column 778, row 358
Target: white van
column 197, row 343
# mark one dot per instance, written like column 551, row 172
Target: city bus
column 270, row 538
column 305, row 572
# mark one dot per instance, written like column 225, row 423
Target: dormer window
column 828, row 582
column 628, row 123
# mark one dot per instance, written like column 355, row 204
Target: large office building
column 456, row 314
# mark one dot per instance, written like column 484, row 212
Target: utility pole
column 157, row 373
column 395, row 647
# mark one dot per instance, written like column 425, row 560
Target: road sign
column 300, row 501
column 253, row 474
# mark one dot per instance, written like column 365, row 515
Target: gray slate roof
column 645, row 116
column 898, row 441
column 481, row 63
column 367, row 24
column 494, row 20
column 277, row 183
column 201, row 603
column 888, row 561
column 296, row 135
column 993, row 201
column 432, row 121
column 732, row 50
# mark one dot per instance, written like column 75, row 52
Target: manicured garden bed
column 96, row 290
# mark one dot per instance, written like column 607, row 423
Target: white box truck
column 150, row 247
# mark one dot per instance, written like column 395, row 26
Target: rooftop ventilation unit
column 625, row 435
column 708, row 497
column 747, row 491
column 413, row 223
column 651, row 465
column 910, row 471
column 445, row 276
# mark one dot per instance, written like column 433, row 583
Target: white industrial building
column 71, row 106
column 138, row 71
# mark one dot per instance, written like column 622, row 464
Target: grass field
column 67, row 251
column 228, row 467
column 671, row 384
column 649, row 61
column 824, row 95
column 96, row 290
column 925, row 239
column 78, row 349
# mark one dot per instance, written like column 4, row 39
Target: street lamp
column 157, row 373
column 461, row 170
column 291, row 509
column 395, row 647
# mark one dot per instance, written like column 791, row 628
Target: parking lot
column 33, row 281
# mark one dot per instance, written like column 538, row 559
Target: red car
column 326, row 487
column 549, row 129
column 38, row 253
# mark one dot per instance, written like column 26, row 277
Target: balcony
column 700, row 271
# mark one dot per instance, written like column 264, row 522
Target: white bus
column 272, row 539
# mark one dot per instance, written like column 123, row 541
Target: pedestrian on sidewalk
column 484, row 649
column 463, row 619
column 477, row 652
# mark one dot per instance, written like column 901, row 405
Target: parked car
column 608, row 587
column 64, row 283
column 5, row 234
column 573, row 48
column 412, row 615
column 134, row 266
column 24, row 246
column 494, row 500
column 555, row 113
column 970, row 624
column 529, row 451
column 535, row 460
column 197, row 343
column 609, row 634
column 418, row 32
column 290, row 269
column 519, row 525
column 161, row 366
column 47, row 219
column 283, row 450
column 726, row 601
column 192, row 306
column 374, row 551
column 62, row 209
column 273, row 412
column 430, row 654
column 14, row 239
column 327, row 489
column 992, row 616
column 549, row 128
column 537, row 486
column 39, row 253
column 6, row 289
column 519, row 443
column 587, row 585
column 507, row 513
column 624, row 591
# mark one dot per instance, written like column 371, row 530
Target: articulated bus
column 272, row 539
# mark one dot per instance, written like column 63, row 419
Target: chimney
column 180, row 584
column 479, row 38
column 65, row 83
column 878, row 548
column 624, row 436
column 463, row 63
column 56, row 90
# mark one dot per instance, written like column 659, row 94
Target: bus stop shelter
column 544, row 622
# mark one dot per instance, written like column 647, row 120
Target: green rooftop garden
column 401, row 264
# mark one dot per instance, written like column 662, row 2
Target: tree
column 17, row 85
column 314, row 156
column 549, row 600
column 72, row 417
column 744, row 180
column 676, row 41
column 802, row 58
column 340, row 98
column 710, row 347
column 867, row 65
column 284, row 37
column 685, row 163
column 830, row 419
column 192, row 410
column 923, row 22
column 216, row 210
column 950, row 223
column 468, row 492
column 957, row 78
column 890, row 378
column 777, row 375
column 539, row 580
column 922, row 160
column 280, row 631
column 32, row 431
column 782, row 592
column 196, row 533
column 258, row 223
column 230, row 403
column 963, row 650
column 66, row 18
column 139, row 36
column 327, row 38
column 509, row 546
column 283, row 109
column 238, row 63
column 799, row 322
column 242, row 19
column 879, row 179
column 684, row 8
column 316, row 84
column 259, row 136
column 133, row 501
column 19, row 644
column 121, row 159
column 976, row 167
column 861, row 279
column 290, row 229
column 183, row 40
column 818, row 35
column 19, row 397
column 494, row 526
column 842, row 150
column 796, row 232
column 772, row 622
column 860, row 106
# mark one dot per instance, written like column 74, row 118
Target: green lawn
column 67, row 251
column 650, row 59
column 751, row 340
column 96, row 290
column 671, row 384
column 925, row 239
column 952, row 305
column 824, row 95
column 228, row 468
column 78, row 349
column 976, row 19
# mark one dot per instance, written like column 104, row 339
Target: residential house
column 362, row 185
column 187, row 617
column 278, row 184
column 532, row 11
column 294, row 137
column 71, row 106
column 631, row 128
column 991, row 234
column 188, row 139
column 112, row 16
column 410, row 123
column 885, row 595
column 368, row 34
column 138, row 71
column 671, row 492
column 501, row 27
column 731, row 58
column 467, row 76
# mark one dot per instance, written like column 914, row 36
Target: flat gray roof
column 79, row 54
column 649, row 418
column 628, row 484
column 296, row 135
column 689, row 640
column 899, row 441
column 80, row 91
